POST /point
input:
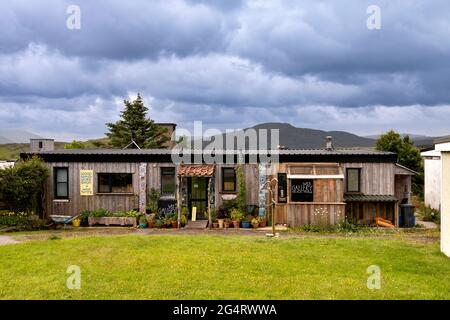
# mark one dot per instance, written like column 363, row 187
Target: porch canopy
column 196, row 170
column 199, row 170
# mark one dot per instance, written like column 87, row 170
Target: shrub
column 20, row 221
column 428, row 214
column 98, row 213
column 22, row 186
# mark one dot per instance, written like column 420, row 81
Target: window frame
column 234, row 178
column 347, row 180
column 174, row 181
column 56, row 183
column 110, row 179
column 283, row 186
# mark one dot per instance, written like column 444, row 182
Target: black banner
column 302, row 190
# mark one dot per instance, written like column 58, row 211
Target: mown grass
column 221, row 267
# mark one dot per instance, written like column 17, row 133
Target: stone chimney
column 329, row 143
column 38, row 145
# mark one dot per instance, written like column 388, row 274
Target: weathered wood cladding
column 376, row 178
column 314, row 213
column 76, row 203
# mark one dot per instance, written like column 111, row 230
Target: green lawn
column 224, row 267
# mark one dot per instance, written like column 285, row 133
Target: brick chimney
column 329, row 143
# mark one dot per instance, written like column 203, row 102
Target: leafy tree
column 74, row 145
column 408, row 156
column 22, row 186
column 242, row 189
column 134, row 125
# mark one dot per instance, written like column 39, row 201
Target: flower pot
column 76, row 223
column 174, row 224
column 262, row 223
column 142, row 225
column 215, row 225
column 150, row 223
column 236, row 224
column 220, row 223
column 255, row 225
column 245, row 224
column 226, row 224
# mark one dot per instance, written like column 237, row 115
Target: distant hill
column 302, row 138
column 16, row 136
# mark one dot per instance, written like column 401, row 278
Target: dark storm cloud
column 312, row 63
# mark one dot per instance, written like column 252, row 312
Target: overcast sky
column 227, row 63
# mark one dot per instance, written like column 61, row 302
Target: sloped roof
column 369, row 198
column 206, row 170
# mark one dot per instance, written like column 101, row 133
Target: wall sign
column 86, row 182
column 166, row 207
column 302, row 190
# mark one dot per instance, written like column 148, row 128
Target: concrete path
column 427, row 224
column 7, row 240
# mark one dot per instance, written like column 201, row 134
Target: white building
column 443, row 146
column 432, row 183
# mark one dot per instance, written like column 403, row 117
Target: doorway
column 198, row 196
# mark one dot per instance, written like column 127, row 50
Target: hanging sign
column 302, row 190
column 86, row 182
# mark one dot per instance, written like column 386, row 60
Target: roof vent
column 329, row 143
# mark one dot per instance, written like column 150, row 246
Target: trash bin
column 407, row 218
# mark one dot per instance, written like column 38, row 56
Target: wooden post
column 396, row 204
column 209, row 203
column 142, row 187
column 178, row 186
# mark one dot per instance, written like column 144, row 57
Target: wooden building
column 319, row 186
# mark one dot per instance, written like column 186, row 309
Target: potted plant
column 226, row 223
column 255, row 222
column 215, row 224
column 236, row 217
column 151, row 220
column 152, row 205
column 245, row 223
column 174, row 220
column 262, row 222
column 142, row 222
column 159, row 223
column 221, row 216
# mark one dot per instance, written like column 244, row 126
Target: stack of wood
column 384, row 223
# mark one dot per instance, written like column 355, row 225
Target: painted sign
column 302, row 190
column 167, row 206
column 86, row 182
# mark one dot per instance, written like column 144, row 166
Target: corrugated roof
column 169, row 151
column 369, row 198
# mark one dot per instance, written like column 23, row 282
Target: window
column 228, row 180
column 115, row 183
column 61, row 183
column 167, row 181
column 353, row 179
column 282, row 187
column 41, row 145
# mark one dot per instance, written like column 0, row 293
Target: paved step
column 199, row 224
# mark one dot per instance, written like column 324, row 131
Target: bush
column 20, row 221
column 428, row 214
column 22, row 186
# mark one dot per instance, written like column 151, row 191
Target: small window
column 61, row 183
column 228, row 180
column 282, row 187
column 353, row 180
column 40, row 145
column 167, row 181
column 115, row 183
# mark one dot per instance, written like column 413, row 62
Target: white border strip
column 315, row 176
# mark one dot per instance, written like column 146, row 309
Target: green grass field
column 224, row 267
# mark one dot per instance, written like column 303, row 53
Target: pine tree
column 134, row 125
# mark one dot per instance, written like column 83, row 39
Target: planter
column 226, row 224
column 221, row 221
column 112, row 221
column 150, row 223
column 236, row 224
column 174, row 224
column 76, row 223
column 142, row 225
column 255, row 225
column 245, row 224
column 215, row 225
column 262, row 223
